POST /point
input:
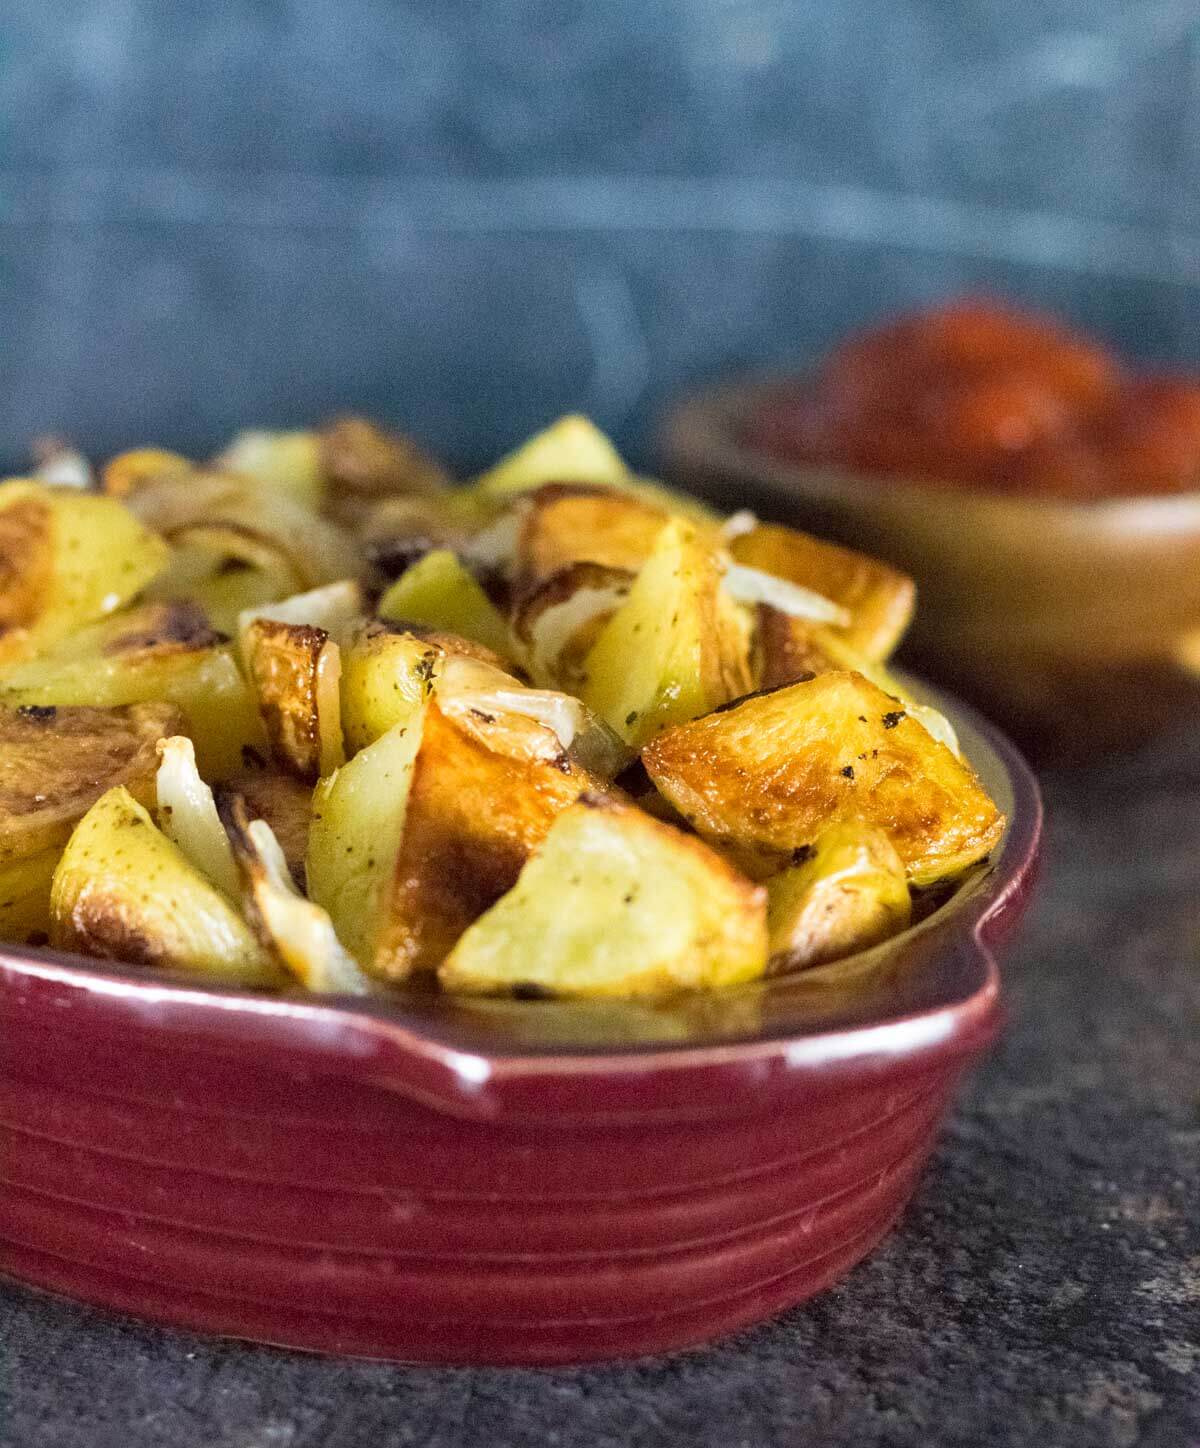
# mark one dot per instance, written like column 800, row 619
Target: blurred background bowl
column 1076, row 625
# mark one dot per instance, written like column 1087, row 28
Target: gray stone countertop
column 1044, row 1289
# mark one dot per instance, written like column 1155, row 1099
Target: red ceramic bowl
column 517, row 1182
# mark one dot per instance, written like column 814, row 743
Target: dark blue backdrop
column 471, row 216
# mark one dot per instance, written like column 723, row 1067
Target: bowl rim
column 481, row 1077
column 702, row 423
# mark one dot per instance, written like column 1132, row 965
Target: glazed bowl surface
column 499, row 1182
column 1074, row 625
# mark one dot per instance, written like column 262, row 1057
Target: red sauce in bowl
column 980, row 395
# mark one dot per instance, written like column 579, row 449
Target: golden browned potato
column 878, row 597
column 614, row 903
column 25, row 896
column 566, row 523
column 55, row 763
column 286, row 461
column 296, row 672
column 155, row 651
column 438, row 592
column 847, row 893
column 424, row 829
column 676, row 648
column 122, row 891
column 66, row 558
column 765, row 777
column 129, row 471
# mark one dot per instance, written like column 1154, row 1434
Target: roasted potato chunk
column 55, row 763
column 129, row 471
column 362, row 460
column 587, row 918
column 159, row 651
column 296, row 670
column 676, row 648
column 768, row 775
column 122, row 891
column 66, row 558
column 465, row 813
column 388, row 671
column 878, row 598
column 573, row 450
column 565, row 523
column 290, row 461
column 848, row 893
column 25, row 896
column 440, row 593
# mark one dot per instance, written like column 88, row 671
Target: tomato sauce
column 981, row 395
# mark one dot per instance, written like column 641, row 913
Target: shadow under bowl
column 424, row 1179
column 1075, row 625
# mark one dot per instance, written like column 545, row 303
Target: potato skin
column 283, row 801
column 295, row 669
column 26, row 560
column 55, row 763
column 767, row 775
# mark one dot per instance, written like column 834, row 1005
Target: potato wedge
column 848, row 894
column 586, row 916
column 122, row 891
column 282, row 801
column 572, row 450
column 362, row 460
column 675, row 649
column 56, row 763
column 879, row 598
column 440, row 593
column 354, row 841
column 565, row 523
column 25, row 896
column 768, row 775
column 224, row 573
column 67, row 558
column 158, row 651
column 290, row 461
column 297, row 932
column 129, row 471
column 399, row 532
column 465, row 812
column 296, row 672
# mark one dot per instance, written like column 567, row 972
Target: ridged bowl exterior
column 313, row 1175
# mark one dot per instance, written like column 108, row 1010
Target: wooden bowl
column 503, row 1182
column 1076, row 625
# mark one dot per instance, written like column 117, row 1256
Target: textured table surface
column 1044, row 1288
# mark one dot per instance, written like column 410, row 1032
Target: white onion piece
column 188, row 815
column 935, row 723
column 64, row 467
column 495, row 547
column 556, row 625
column 737, row 525
column 752, row 585
column 300, row 930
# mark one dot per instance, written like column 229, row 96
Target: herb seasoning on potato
column 306, row 715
